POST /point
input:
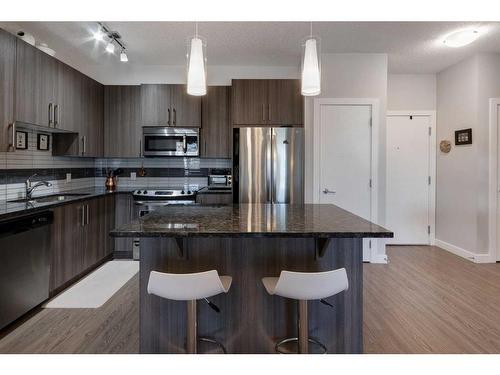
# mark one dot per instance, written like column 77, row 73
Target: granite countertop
column 10, row 210
column 252, row 220
column 206, row 190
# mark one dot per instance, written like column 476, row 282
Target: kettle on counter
column 112, row 179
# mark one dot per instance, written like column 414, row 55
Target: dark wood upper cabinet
column 68, row 114
column 216, row 124
column 155, row 105
column 249, row 101
column 286, row 104
column 186, row 109
column 7, row 87
column 122, row 121
column 169, row 105
column 36, row 85
column 274, row 102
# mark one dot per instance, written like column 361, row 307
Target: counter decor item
column 112, row 179
column 21, row 140
column 463, row 137
column 42, row 143
column 445, row 146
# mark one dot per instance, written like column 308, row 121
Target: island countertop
column 252, row 220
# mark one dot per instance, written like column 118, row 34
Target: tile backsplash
column 16, row 167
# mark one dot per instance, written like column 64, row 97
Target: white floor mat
column 96, row 288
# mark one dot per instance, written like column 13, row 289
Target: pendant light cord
column 311, row 29
column 196, row 30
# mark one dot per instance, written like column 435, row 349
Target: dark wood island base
column 251, row 321
column 249, row 242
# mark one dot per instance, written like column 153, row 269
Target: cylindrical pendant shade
column 311, row 73
column 196, row 75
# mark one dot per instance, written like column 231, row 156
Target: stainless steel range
column 147, row 200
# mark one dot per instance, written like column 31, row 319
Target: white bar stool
column 304, row 286
column 190, row 287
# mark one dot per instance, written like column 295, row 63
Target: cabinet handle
column 84, row 145
column 88, row 216
column 269, row 112
column 13, row 139
column 83, row 216
column 50, row 115
column 168, row 121
column 140, row 148
column 56, row 115
column 175, row 117
column 263, row 113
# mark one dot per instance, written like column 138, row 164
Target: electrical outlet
column 133, row 175
column 68, row 177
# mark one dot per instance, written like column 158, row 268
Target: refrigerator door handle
column 269, row 167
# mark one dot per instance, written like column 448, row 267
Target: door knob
column 326, row 191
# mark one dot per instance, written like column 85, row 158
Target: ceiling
column 412, row 47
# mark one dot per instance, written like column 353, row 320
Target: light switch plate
column 68, row 177
column 133, row 175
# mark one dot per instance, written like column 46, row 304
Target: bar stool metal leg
column 303, row 327
column 191, row 327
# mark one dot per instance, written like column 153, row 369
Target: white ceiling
column 412, row 47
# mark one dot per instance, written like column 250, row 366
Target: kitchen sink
column 50, row 198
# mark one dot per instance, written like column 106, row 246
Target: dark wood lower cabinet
column 214, row 198
column 80, row 238
column 124, row 213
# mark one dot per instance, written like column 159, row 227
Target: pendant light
column 311, row 66
column 196, row 69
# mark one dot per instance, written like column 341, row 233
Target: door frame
column 494, row 253
column 374, row 103
column 432, row 165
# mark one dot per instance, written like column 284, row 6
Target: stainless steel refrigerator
column 271, row 165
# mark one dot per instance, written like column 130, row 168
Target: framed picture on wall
column 463, row 137
column 43, row 142
column 21, row 140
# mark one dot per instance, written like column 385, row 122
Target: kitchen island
column 249, row 242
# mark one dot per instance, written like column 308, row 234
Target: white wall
column 416, row 92
column 463, row 92
column 130, row 74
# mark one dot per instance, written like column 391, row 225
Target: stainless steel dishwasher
column 24, row 264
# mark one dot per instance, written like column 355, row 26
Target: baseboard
column 379, row 258
column 476, row 258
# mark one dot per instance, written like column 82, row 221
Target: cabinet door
column 186, row 109
column 155, row 105
column 67, row 113
column 7, row 83
column 124, row 213
column 249, row 101
column 66, row 244
column 94, row 232
column 216, row 132
column 36, row 85
column 122, row 121
column 286, row 103
column 96, row 118
column 109, row 224
column 214, row 199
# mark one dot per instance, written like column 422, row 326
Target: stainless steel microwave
column 169, row 141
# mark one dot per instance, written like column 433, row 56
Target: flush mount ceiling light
column 461, row 38
column 311, row 66
column 111, row 38
column 196, row 66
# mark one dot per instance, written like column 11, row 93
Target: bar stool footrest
column 296, row 339
column 212, row 341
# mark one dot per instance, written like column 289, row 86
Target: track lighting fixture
column 113, row 39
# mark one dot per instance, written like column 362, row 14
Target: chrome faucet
column 30, row 188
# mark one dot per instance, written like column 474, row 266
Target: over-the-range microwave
column 170, row 141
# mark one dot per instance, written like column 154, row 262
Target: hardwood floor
column 112, row 328
column 425, row 300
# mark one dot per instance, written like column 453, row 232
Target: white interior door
column 408, row 183
column 345, row 157
column 498, row 184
